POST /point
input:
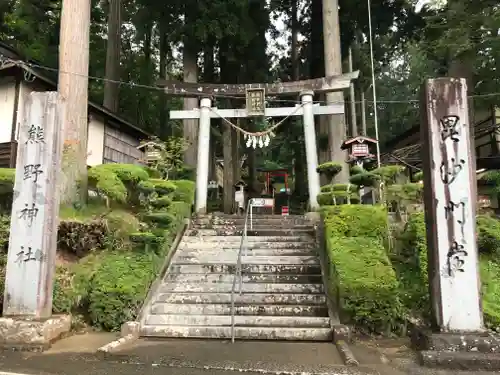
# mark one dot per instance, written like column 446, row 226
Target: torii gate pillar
column 203, row 157
column 311, row 153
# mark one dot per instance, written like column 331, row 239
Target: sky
column 275, row 46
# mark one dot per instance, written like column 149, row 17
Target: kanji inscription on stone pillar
column 450, row 200
column 35, row 209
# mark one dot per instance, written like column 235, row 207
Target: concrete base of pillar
column 458, row 351
column 27, row 334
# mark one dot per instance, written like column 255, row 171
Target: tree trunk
column 190, row 62
column 299, row 156
column 165, row 130
column 317, row 70
column 111, row 89
column 333, row 66
column 228, row 169
column 73, row 87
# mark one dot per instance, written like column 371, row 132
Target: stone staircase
column 282, row 290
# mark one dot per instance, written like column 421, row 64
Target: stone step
column 245, row 288
column 228, row 259
column 255, row 226
column 249, row 251
column 257, row 333
column 246, row 321
column 283, row 269
column 221, row 216
column 253, row 298
column 206, row 245
column 250, row 239
column 263, row 232
column 225, row 309
column 248, row 278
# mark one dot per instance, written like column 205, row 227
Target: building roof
column 406, row 148
column 11, row 67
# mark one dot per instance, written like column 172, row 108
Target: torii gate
column 255, row 94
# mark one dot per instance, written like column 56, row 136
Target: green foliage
column 404, row 194
column 419, row 176
column 161, row 203
column 389, row 174
column 490, row 288
column 119, row 287
column 413, row 266
column 364, row 179
column 164, row 187
column 185, row 191
column 81, row 238
column 356, row 221
column 170, row 155
column 4, row 233
column 361, row 275
column 107, row 183
column 366, row 283
column 108, row 288
column 119, row 182
column 330, row 169
column 488, row 229
column 159, row 219
column 7, row 179
column 356, row 169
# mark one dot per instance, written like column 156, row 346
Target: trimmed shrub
column 366, row 285
column 164, row 187
column 185, row 191
column 117, row 181
column 355, row 220
column 81, row 238
column 107, row 183
column 162, row 202
column 361, row 274
column 119, row 287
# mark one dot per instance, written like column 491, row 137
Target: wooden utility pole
column 111, row 87
column 73, row 87
column 352, row 101
column 333, row 66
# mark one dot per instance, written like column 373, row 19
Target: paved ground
column 77, row 356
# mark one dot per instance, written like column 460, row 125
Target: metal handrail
column 238, row 273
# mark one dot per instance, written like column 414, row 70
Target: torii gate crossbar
column 308, row 110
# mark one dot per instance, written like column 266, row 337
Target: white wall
column 7, row 97
column 95, row 141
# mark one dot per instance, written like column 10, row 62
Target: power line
column 24, row 64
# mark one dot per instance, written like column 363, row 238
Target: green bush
column 118, row 182
column 366, row 285
column 414, row 253
column 107, row 183
column 7, row 179
column 490, row 288
column 185, row 191
column 162, row 202
column 119, row 287
column 356, row 220
column 361, row 274
column 488, row 229
column 164, row 187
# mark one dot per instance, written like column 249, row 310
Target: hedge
column 356, row 220
column 413, row 266
column 361, row 275
column 116, row 266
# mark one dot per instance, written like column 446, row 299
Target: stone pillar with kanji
column 457, row 337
